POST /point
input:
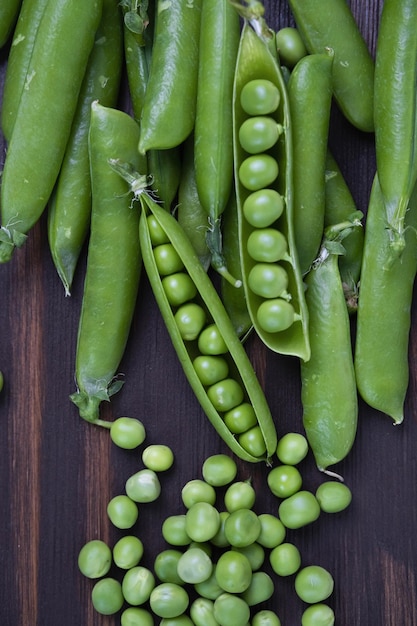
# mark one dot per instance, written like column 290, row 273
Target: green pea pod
column 170, row 100
column 70, row 205
column 113, row 263
column 213, row 132
column 310, row 98
column 340, row 206
column 240, row 366
column 256, row 62
column 234, row 298
column 395, row 112
column 9, row 11
column 328, row 386
column 384, row 310
column 18, row 60
column 190, row 214
column 331, row 24
column 41, row 132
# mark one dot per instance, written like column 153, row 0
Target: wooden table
column 57, row 472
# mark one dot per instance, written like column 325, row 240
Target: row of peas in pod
column 219, row 556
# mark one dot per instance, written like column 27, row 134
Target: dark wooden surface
column 57, row 472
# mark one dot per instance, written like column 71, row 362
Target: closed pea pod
column 382, row 334
column 172, row 86
column 329, row 395
column 310, row 97
column 70, row 204
column 330, row 23
column 34, row 158
column 9, row 11
column 395, row 114
column 113, row 264
column 259, row 89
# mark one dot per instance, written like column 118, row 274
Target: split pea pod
column 310, row 98
column 264, row 191
column 213, row 131
column 113, row 263
column 384, row 310
column 395, row 113
column 9, row 11
column 70, row 204
column 169, row 108
column 40, row 133
column 331, row 24
column 16, row 77
column 328, row 385
column 211, row 354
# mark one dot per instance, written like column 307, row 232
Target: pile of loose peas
column 211, row 571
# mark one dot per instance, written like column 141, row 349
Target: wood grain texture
column 57, row 472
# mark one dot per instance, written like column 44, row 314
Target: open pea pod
column 265, row 202
column 239, row 367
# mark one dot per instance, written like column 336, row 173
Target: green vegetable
column 239, row 495
column 133, row 616
column 127, row 551
column 290, row 46
column 284, row 480
column 158, row 457
column 137, row 585
column 298, row 510
column 333, row 496
column 219, row 470
column 127, row 432
column 231, row 610
column 168, row 600
column 143, row 486
column 166, row 566
column 285, row 559
column 233, row 571
column 194, row 566
column 318, row 615
column 95, row 559
column 122, row 511
column 266, row 618
column 313, row 584
column 292, row 448
column 107, row 597
column 113, row 264
column 9, row 12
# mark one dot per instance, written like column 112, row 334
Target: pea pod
column 172, row 87
column 256, row 62
column 213, row 155
column 310, row 98
column 70, row 204
column 113, row 263
column 9, row 11
column 206, row 300
column 395, row 113
column 331, row 24
column 18, row 60
column 328, row 392
column 384, row 310
column 40, row 133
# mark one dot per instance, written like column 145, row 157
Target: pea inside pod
column 263, row 177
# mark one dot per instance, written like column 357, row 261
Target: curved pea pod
column 169, row 107
column 18, row 60
column 395, row 113
column 310, row 98
column 240, row 367
column 70, row 204
column 331, row 24
column 113, row 263
column 9, row 11
column 328, row 385
column 40, row 132
column 255, row 61
column 384, row 310
column 340, row 206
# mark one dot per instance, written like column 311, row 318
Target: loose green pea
column 107, row 597
column 285, row 559
column 233, row 571
column 268, row 280
column 240, row 418
column 318, row 615
column 258, row 134
column 263, row 207
column 333, row 496
column 292, row 448
column 266, row 618
column 253, row 441
column 255, row 554
column 133, row 616
column 219, row 470
column 180, row 620
column 166, row 566
column 167, row 259
column 220, row 540
column 197, row 490
column 231, row 610
column 143, row 486
column 169, row 600
column 127, row 432
column 242, row 527
column 127, row 551
column 202, row 612
column 290, row 46
column 313, row 584
column 211, row 342
column 210, row 369
column 298, row 510
column 226, row 394
column 137, row 584
column 179, row 288
column 239, row 495
column 209, row 588
column 260, row 97
column 272, row 531
column 202, row 521
column 261, row 588
column 284, row 480
column 122, row 511
column 267, row 245
column 174, row 530
column 194, row 566
column 190, row 319
column 276, row 315
column 158, row 457
column 94, row 559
